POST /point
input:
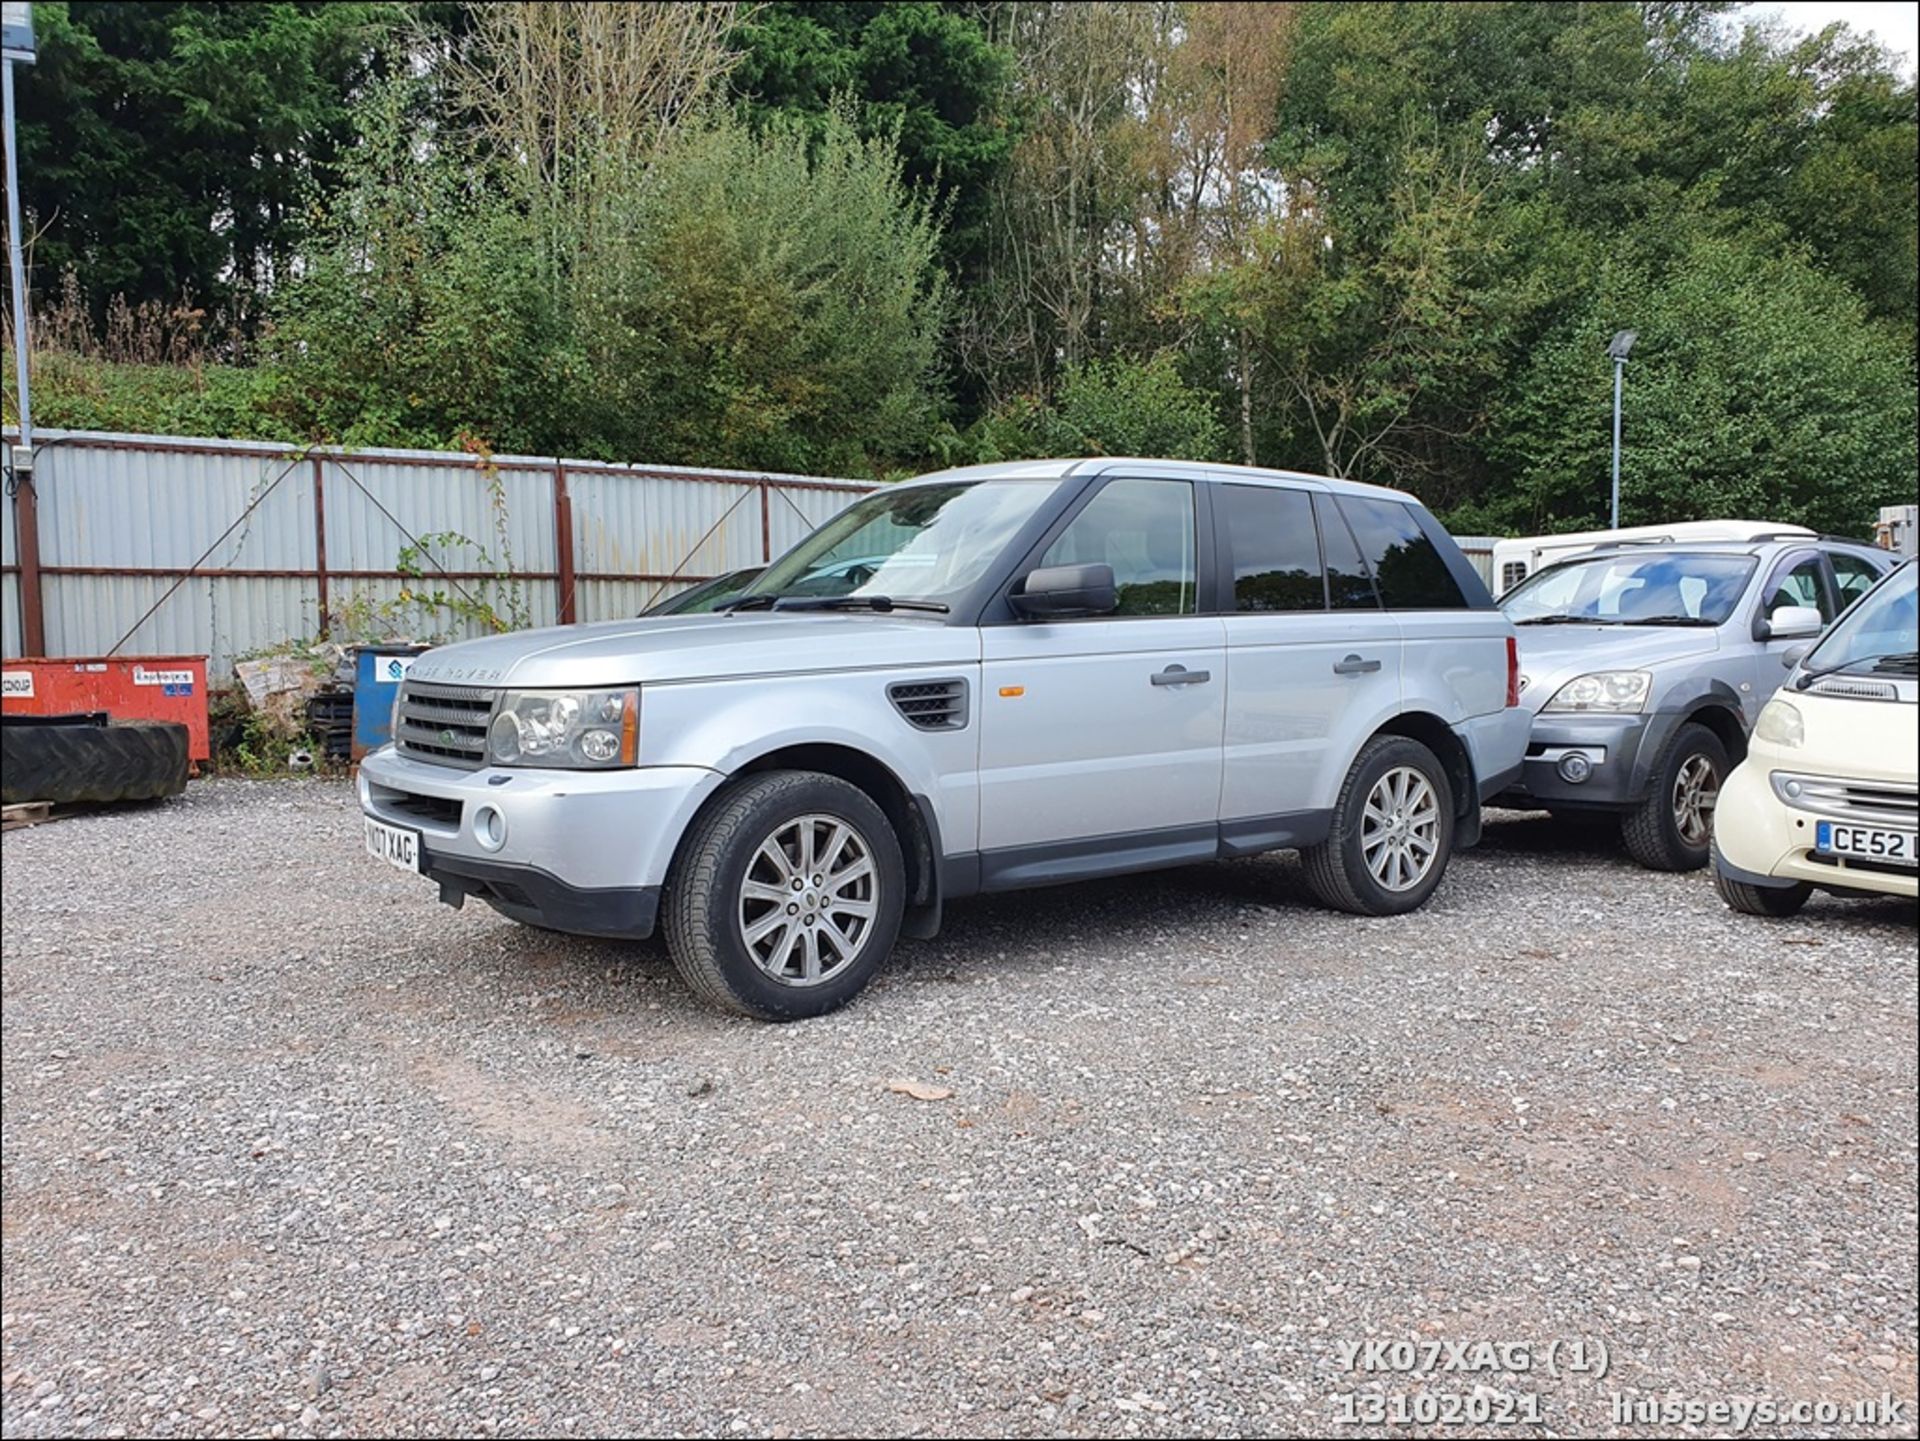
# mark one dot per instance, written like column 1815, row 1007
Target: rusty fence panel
column 174, row 545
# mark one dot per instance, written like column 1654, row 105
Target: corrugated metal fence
column 165, row 545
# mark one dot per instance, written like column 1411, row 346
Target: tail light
column 1513, row 671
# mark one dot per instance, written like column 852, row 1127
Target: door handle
column 1180, row 675
column 1354, row 665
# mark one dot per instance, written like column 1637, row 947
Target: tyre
column 1778, row 902
column 1672, row 829
column 65, row 764
column 785, row 897
column 1392, row 832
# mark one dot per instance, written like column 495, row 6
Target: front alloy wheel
column 785, row 895
column 808, row 900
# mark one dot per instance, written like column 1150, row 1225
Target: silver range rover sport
column 985, row 679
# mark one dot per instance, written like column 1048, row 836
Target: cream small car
column 1829, row 795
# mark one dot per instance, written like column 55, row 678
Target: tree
column 925, row 75
column 168, row 149
column 1757, row 388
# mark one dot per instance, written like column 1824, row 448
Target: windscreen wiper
column 1667, row 620
column 1564, row 620
column 746, row 602
column 1808, row 677
column 881, row 603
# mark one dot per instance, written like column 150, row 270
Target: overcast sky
column 1896, row 26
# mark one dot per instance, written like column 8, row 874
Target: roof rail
column 1802, row 535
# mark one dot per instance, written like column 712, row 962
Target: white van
column 1514, row 560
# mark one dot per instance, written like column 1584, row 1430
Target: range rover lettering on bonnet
column 986, row 679
column 427, row 669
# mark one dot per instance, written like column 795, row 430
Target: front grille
column 444, row 724
column 424, row 808
column 938, row 705
column 1860, row 863
column 1885, row 802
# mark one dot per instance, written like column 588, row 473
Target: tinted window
column 1144, row 530
column 1407, row 567
column 1853, row 575
column 1276, row 554
column 1349, row 587
column 1799, row 585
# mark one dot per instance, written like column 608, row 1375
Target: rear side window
column 1407, row 566
column 1349, row 587
column 1276, row 551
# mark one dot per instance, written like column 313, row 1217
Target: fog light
column 1793, row 789
column 1575, row 768
column 490, row 828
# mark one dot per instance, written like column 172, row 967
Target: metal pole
column 1619, row 369
column 15, row 263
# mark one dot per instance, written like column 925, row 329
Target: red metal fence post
column 26, row 516
column 320, row 539
column 563, row 541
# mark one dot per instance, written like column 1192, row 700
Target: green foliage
column 165, row 147
column 1093, row 223
column 73, row 392
column 1116, row 407
column 765, row 301
column 783, row 311
column 923, row 75
column 1758, row 389
column 421, row 315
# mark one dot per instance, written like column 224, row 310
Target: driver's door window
column 1144, row 529
column 1799, row 586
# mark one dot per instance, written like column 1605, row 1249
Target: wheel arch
column 1722, row 715
column 910, row 816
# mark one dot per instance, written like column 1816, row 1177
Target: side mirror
column 1794, row 622
column 1793, row 655
column 1059, row 591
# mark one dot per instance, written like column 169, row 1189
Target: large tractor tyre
column 64, row 764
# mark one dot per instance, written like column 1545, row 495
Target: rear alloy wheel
column 786, row 896
column 1391, row 835
column 1672, row 829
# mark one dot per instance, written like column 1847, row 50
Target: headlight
column 571, row 729
column 1605, row 690
column 1780, row 724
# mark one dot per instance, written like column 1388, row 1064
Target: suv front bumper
column 583, row 851
column 1618, row 750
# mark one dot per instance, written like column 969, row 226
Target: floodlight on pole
column 1617, row 348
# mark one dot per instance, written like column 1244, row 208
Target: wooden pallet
column 27, row 813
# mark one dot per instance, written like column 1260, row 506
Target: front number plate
column 393, row 845
column 1871, row 843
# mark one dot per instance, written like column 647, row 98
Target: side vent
column 1855, row 689
column 935, row 705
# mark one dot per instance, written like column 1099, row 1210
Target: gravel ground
column 289, row 1148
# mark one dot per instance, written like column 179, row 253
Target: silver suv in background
column 985, row 679
column 1644, row 668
